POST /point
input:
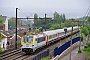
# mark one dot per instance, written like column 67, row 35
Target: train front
column 27, row 43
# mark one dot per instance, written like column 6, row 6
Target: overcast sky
column 71, row 8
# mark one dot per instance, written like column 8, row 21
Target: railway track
column 9, row 54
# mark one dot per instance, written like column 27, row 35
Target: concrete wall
column 58, row 57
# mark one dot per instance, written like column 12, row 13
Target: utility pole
column 45, row 21
column 16, row 29
column 71, row 43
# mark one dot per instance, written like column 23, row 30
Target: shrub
column 46, row 58
column 79, row 51
column 1, row 50
column 87, row 49
column 85, row 46
column 88, row 44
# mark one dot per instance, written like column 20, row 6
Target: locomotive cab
column 27, row 44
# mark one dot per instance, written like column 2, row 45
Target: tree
column 56, row 17
column 12, row 22
column 55, row 26
column 88, row 23
column 89, row 20
column 29, row 25
column 35, row 20
column 0, row 37
column 1, row 19
column 85, row 31
column 63, row 16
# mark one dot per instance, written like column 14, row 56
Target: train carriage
column 33, row 42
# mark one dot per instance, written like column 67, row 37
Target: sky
column 71, row 8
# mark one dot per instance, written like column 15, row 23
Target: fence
column 58, row 51
column 41, row 55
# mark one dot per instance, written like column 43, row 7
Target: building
column 8, row 40
column 4, row 26
column 5, row 42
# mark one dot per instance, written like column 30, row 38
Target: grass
column 87, row 48
column 46, row 58
column 89, row 57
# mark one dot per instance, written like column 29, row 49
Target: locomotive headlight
column 32, row 45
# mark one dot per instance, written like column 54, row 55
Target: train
column 33, row 42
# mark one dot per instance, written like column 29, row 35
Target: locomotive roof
column 39, row 35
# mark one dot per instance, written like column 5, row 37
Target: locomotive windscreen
column 28, row 38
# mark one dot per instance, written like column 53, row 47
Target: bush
column 88, row 44
column 79, row 51
column 46, row 58
column 0, row 39
column 85, row 46
column 87, row 49
column 1, row 50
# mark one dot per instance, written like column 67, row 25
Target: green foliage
column 46, row 58
column 87, row 49
column 84, row 36
column 1, row 20
column 35, row 20
column 79, row 51
column 29, row 25
column 88, row 44
column 1, row 50
column 28, row 33
column 69, row 23
column 85, row 30
column 55, row 26
column 62, row 25
column 89, row 57
column 58, row 19
column 51, row 28
column 89, row 20
column 41, row 29
column 12, row 22
column 0, row 39
column 37, row 31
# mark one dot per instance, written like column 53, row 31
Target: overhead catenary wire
column 24, row 12
column 87, row 13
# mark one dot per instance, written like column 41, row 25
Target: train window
column 25, row 39
column 41, row 39
column 50, row 36
column 29, row 39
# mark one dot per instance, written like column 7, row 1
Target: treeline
column 58, row 21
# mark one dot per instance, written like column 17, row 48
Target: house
column 4, row 26
column 6, row 35
column 3, row 42
column 8, row 41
